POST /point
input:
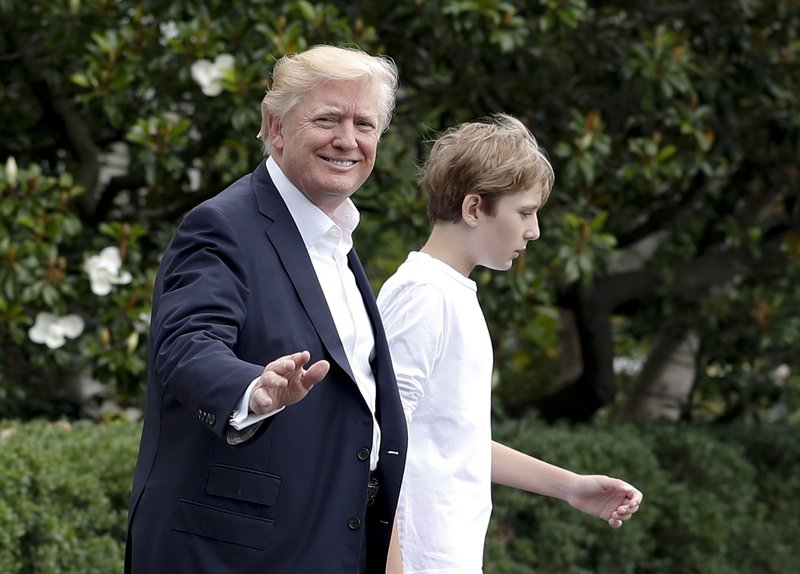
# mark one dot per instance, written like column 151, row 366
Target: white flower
column 51, row 330
column 114, row 162
column 105, row 270
column 11, row 171
column 169, row 31
column 194, row 178
column 782, row 372
column 209, row 74
column 628, row 365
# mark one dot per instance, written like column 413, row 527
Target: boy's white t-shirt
column 442, row 355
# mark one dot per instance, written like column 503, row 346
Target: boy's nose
column 532, row 234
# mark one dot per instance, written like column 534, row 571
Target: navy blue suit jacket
column 235, row 290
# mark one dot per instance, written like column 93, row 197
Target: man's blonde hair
column 493, row 157
column 297, row 74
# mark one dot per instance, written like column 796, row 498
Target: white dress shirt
column 328, row 241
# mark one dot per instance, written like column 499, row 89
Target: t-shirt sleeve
column 413, row 316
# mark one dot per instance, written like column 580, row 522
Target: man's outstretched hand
column 285, row 381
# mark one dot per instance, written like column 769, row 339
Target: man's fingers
column 283, row 367
column 285, row 381
column 273, row 379
column 288, row 364
column 300, row 359
column 315, row 373
column 260, row 401
column 280, row 366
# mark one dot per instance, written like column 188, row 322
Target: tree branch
column 59, row 113
column 664, row 217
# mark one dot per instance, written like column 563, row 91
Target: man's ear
column 470, row 208
column 275, row 133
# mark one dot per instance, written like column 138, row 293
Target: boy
column 486, row 182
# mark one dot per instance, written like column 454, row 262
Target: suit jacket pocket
column 219, row 524
column 243, row 484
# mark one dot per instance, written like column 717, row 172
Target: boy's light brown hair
column 492, row 157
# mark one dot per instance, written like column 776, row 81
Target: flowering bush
column 105, row 271
column 675, row 205
column 210, row 75
column 74, row 307
column 160, row 108
column 52, row 330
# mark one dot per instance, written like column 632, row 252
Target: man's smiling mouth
column 341, row 162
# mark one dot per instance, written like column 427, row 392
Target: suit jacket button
column 354, row 523
column 363, row 453
column 211, row 418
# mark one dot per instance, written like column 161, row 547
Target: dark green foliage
column 64, row 492
column 717, row 501
column 675, row 124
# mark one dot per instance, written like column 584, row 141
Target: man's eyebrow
column 326, row 110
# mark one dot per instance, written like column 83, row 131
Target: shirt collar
column 311, row 221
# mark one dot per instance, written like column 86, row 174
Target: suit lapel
column 381, row 349
column 288, row 243
column 364, row 287
column 388, row 407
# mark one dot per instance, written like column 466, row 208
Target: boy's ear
column 470, row 208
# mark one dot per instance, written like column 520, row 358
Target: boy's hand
column 611, row 499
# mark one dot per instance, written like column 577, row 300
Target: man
column 274, row 438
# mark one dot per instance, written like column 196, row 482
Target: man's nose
column 345, row 137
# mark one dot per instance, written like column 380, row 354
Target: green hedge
column 717, row 500
column 64, row 491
